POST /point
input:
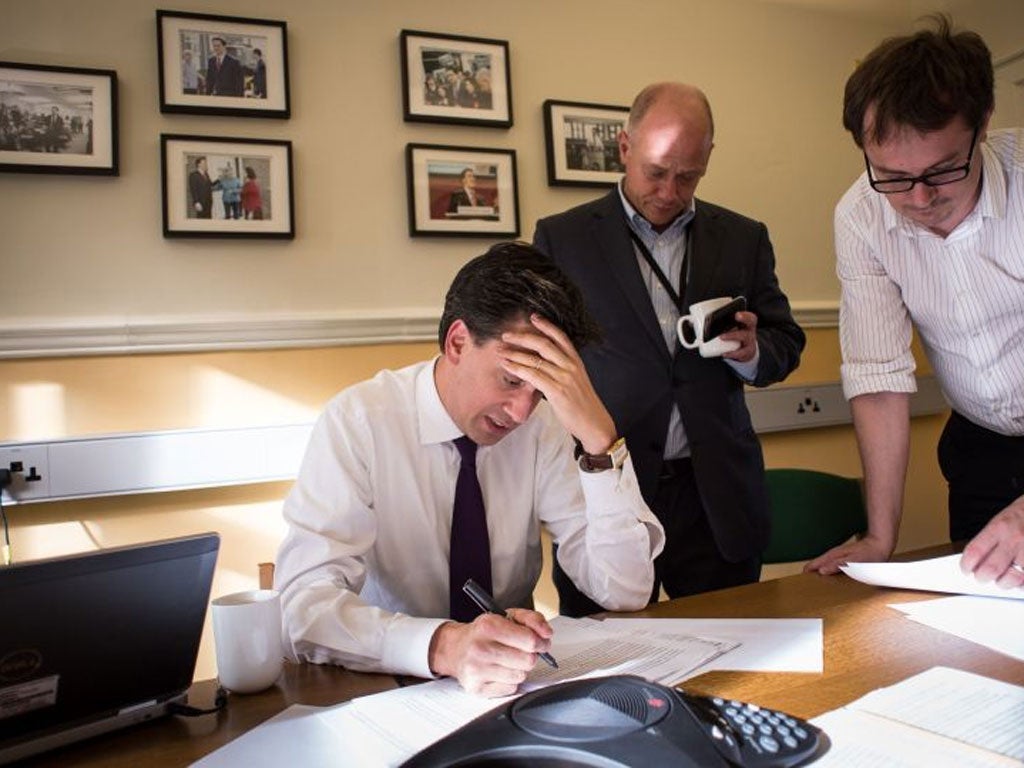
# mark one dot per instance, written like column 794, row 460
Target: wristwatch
column 613, row 459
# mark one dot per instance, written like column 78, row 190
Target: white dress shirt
column 363, row 569
column 964, row 293
column 668, row 249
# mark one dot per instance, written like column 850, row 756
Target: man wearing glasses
column 933, row 235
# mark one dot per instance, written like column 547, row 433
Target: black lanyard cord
column 677, row 299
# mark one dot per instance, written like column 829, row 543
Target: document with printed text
column 939, row 717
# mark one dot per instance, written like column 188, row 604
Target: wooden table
column 867, row 645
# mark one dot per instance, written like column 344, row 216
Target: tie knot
column 467, row 450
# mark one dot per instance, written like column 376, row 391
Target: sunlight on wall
column 36, row 410
column 228, row 400
column 53, row 540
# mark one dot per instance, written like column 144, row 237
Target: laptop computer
column 95, row 642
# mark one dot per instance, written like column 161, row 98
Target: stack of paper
column 937, row 718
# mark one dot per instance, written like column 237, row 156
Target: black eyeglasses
column 933, row 179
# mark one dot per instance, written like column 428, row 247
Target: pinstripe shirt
column 964, row 294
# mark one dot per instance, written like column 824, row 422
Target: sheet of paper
column 765, row 645
column 585, row 648
column 860, row 740
column 988, row 621
column 293, row 737
column 939, row 574
column 959, row 705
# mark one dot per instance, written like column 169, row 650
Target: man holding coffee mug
column 933, row 234
column 683, row 414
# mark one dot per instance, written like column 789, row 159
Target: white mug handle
column 687, row 320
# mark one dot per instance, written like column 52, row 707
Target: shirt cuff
column 748, row 370
column 407, row 645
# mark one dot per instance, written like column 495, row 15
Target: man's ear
column 983, row 128
column 623, row 146
column 455, row 341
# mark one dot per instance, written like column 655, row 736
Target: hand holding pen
column 486, row 604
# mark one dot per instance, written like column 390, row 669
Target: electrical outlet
column 30, row 472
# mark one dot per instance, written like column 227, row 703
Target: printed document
column 939, row 717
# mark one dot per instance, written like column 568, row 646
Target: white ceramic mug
column 695, row 320
column 247, row 635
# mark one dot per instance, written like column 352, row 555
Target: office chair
column 811, row 513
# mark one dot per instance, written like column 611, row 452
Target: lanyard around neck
column 676, row 296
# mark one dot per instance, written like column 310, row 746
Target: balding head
column 684, row 102
column 665, row 150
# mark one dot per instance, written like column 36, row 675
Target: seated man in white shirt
column 365, row 570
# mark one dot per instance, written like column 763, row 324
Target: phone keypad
column 750, row 735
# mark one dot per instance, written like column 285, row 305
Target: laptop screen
column 95, row 641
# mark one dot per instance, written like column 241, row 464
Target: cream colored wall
column 91, row 248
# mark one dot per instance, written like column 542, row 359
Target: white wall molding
column 149, row 335
column 149, row 462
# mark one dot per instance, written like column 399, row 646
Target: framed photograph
column 222, row 65
column 58, row 120
column 232, row 188
column 462, row 191
column 583, row 143
column 454, row 79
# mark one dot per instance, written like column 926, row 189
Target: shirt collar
column 435, row 425
column 643, row 226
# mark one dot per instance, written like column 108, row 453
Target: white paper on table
column 988, row 621
column 860, row 740
column 939, row 574
column 386, row 729
column 586, row 648
column 939, row 717
column 765, row 645
column 292, row 737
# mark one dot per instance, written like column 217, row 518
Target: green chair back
column 811, row 513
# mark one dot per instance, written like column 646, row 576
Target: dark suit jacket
column 200, row 189
column 226, row 80
column 639, row 380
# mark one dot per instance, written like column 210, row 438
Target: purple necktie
column 470, row 556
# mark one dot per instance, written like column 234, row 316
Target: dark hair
column 222, row 40
column 509, row 283
column 257, row 51
column 922, row 81
column 250, row 172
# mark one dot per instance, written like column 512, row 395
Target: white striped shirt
column 964, row 294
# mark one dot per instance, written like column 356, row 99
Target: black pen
column 486, row 604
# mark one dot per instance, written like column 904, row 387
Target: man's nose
column 521, row 404
column 922, row 194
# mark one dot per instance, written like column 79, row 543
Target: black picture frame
column 455, row 79
column 252, row 80
column 438, row 203
column 58, row 120
column 581, row 141
column 191, row 207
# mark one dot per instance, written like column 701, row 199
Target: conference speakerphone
column 624, row 721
